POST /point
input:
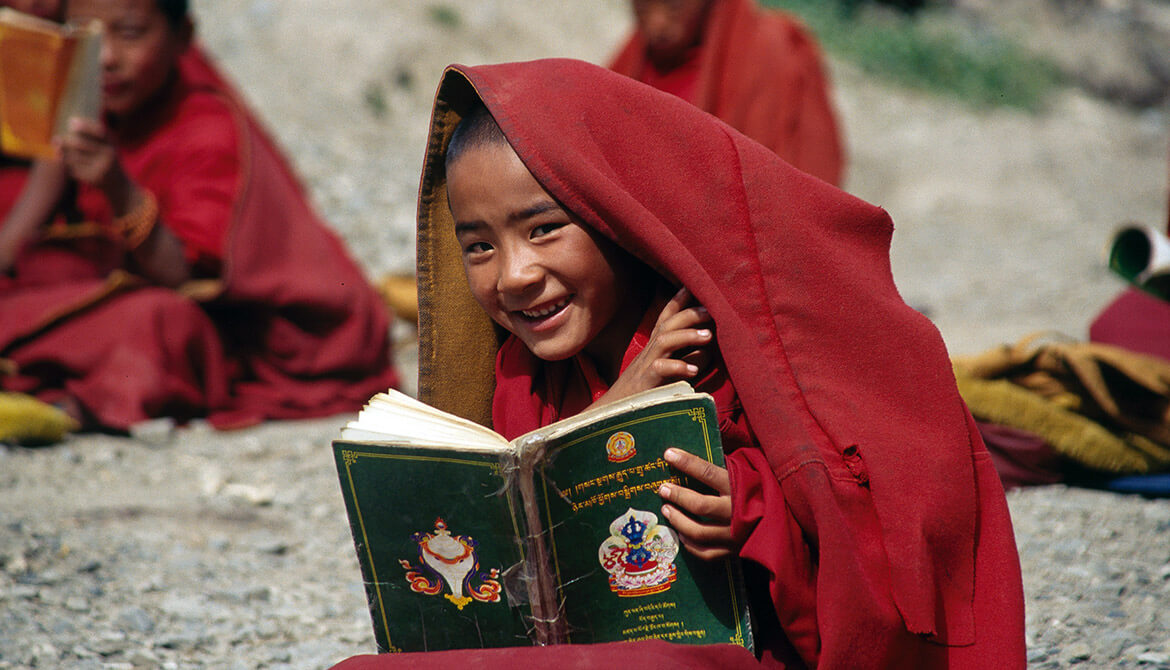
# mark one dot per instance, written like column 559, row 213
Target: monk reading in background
column 756, row 69
column 170, row 263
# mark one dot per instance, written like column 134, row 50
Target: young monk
column 170, row 264
column 758, row 70
column 873, row 528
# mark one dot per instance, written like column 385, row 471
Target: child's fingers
column 710, row 474
column 706, row 541
column 677, row 303
column 687, row 318
column 88, row 128
column 715, row 508
column 673, row 368
column 667, row 343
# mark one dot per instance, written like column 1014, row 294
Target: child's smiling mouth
column 545, row 311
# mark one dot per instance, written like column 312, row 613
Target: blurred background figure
column 759, row 70
column 169, row 263
column 52, row 10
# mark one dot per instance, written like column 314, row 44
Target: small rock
column 1077, row 651
column 154, row 432
column 136, row 619
column 1155, row 657
column 109, row 643
column 143, row 658
column 76, row 604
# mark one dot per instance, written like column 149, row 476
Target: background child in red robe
column 170, row 263
column 874, row 529
column 759, row 70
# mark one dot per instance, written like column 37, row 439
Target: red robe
column 294, row 329
column 761, row 72
column 1136, row 321
column 866, row 496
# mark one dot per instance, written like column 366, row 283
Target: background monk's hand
column 89, row 155
column 674, row 352
column 703, row 521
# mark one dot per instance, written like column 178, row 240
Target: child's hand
column 710, row 538
column 660, row 362
column 90, row 156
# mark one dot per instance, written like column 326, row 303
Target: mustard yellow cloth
column 26, row 420
column 1104, row 407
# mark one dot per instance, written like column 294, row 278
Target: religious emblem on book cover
column 447, row 558
column 639, row 555
column 619, row 448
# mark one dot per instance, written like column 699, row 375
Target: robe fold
column 284, row 324
column 761, row 72
column 866, row 502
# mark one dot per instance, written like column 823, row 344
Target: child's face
column 670, row 27
column 533, row 267
column 139, row 49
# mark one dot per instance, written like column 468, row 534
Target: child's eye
column 545, row 229
column 477, row 248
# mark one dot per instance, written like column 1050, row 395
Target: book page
column 397, row 418
column 82, row 92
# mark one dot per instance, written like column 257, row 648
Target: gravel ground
column 192, row 548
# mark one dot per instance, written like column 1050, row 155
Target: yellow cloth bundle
column 26, row 420
column 1105, row 407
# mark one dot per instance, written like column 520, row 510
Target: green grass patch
column 929, row 52
column 445, row 16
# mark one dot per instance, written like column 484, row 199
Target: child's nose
column 518, row 272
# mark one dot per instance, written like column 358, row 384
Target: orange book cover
column 48, row 73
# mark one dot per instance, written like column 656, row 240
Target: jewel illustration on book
column 639, row 555
column 444, row 557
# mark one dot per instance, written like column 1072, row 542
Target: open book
column 467, row 540
column 1141, row 255
column 48, row 74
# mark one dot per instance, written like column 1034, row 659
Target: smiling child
column 615, row 238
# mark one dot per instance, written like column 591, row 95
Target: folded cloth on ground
column 1105, row 407
column 26, row 420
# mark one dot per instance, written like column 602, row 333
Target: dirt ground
column 192, row 548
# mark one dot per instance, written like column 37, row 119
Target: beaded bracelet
column 135, row 226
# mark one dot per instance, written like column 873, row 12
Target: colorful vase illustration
column 451, row 559
column 639, row 554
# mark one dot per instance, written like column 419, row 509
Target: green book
column 466, row 540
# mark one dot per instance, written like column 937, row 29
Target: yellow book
column 48, row 73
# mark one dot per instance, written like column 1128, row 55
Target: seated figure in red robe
column 575, row 248
column 170, row 264
column 758, row 70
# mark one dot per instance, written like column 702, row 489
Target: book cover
column 436, row 538
column 48, row 73
column 621, row 571
column 556, row 537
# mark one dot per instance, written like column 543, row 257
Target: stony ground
column 192, row 548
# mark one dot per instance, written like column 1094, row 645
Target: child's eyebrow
column 535, row 210
column 518, row 215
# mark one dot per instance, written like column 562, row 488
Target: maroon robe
column 761, row 72
column 290, row 327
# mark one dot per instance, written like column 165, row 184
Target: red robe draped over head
column 289, row 328
column 867, row 497
column 760, row 71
